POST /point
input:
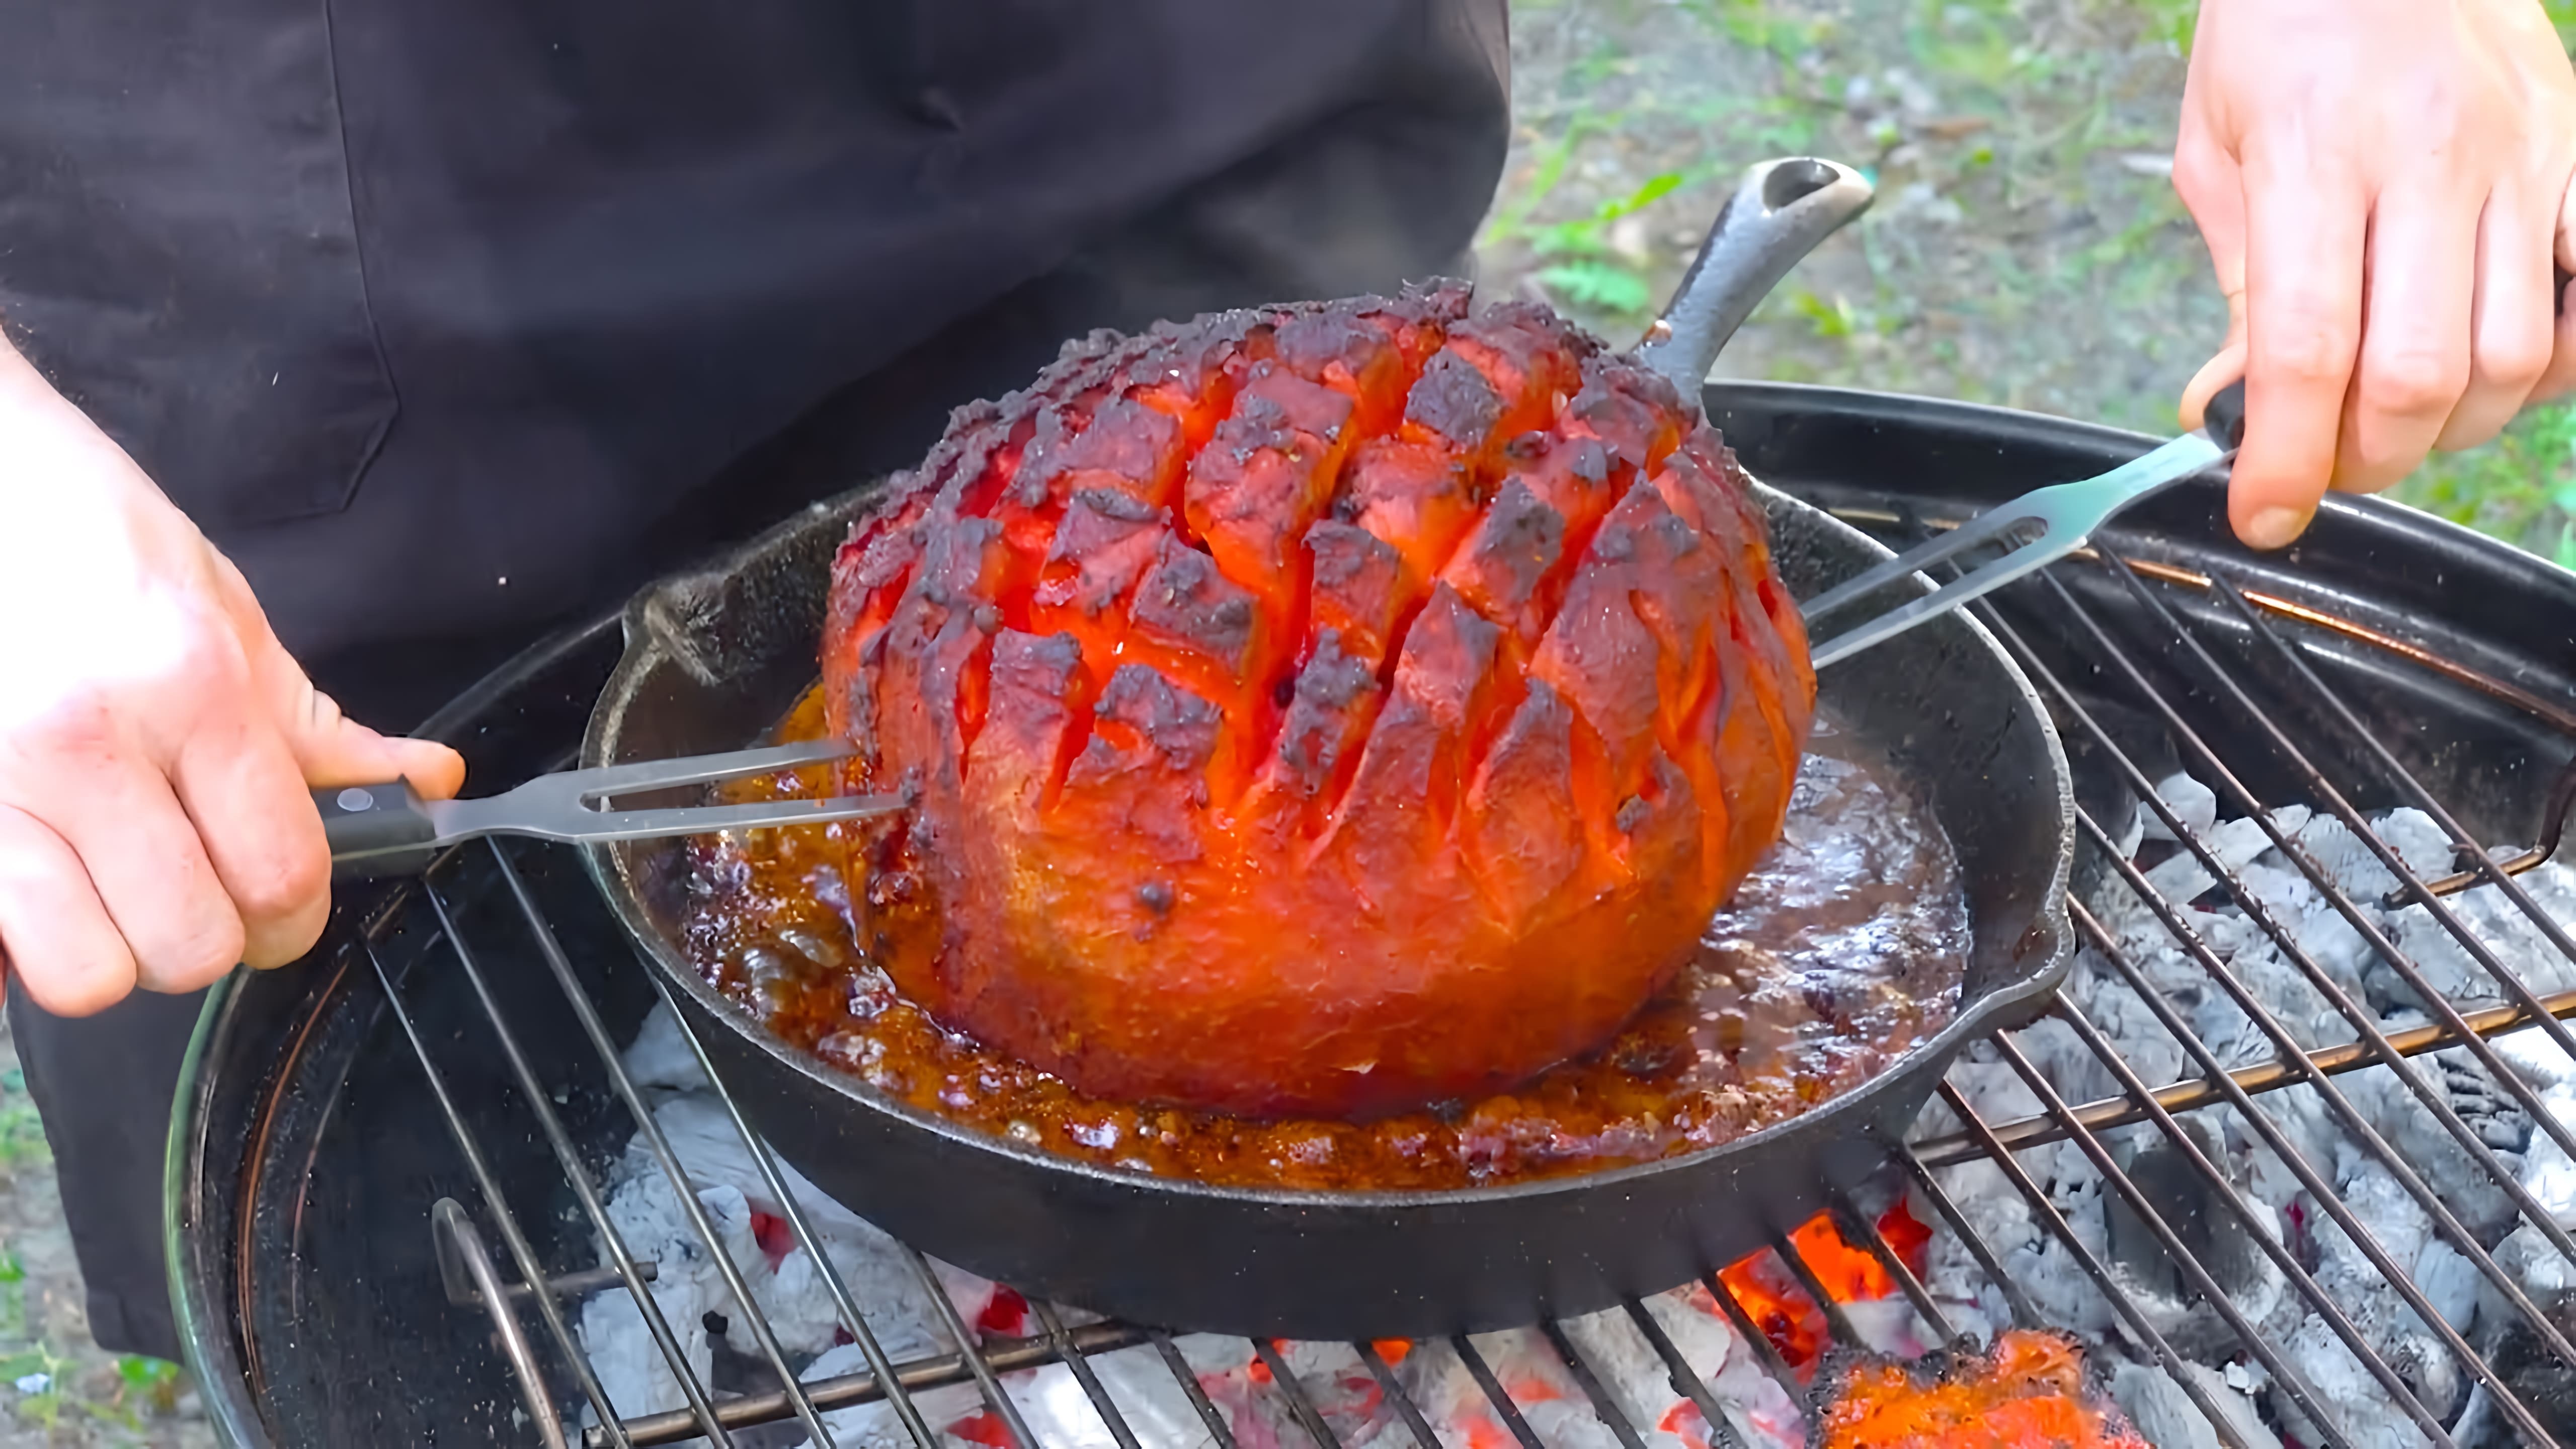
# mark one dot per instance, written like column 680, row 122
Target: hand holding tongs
column 2036, row 529
column 388, row 830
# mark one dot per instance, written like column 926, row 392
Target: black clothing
column 450, row 321
column 426, row 312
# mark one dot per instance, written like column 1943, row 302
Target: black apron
column 447, row 321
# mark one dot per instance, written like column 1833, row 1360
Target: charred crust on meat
column 1332, row 679
column 1515, row 546
column 1042, row 665
column 1348, row 558
column 1454, row 400
column 1178, row 723
column 1184, row 600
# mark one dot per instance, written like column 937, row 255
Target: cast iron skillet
column 715, row 657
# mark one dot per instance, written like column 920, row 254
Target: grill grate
column 2259, row 622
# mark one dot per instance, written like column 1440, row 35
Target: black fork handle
column 375, row 830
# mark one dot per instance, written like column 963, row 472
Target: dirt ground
column 2027, row 249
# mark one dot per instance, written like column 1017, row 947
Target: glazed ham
column 1323, row 711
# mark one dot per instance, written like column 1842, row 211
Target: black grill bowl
column 715, row 658
column 306, row 1151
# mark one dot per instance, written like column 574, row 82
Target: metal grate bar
column 1764, row 1350
column 2024, row 1314
column 2317, row 1298
column 1072, row 1357
column 845, row 1391
column 1405, row 1407
column 2287, row 1047
column 1483, row 1374
column 1194, row 1391
column 1837, row 1323
column 559, row 1141
column 1856, row 1227
column 844, row 1304
column 2094, row 1268
column 2342, row 808
column 1603, row 1406
column 763, row 1333
column 521, row 1253
column 979, row 1363
column 2183, row 1096
column 1684, row 1379
column 2202, row 1281
column 1300, row 1403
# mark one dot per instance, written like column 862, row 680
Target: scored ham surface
column 1319, row 711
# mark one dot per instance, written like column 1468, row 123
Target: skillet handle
column 1779, row 211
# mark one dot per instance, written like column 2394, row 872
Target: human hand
column 156, row 741
column 2381, row 184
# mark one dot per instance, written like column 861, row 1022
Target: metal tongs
column 2035, row 530
column 389, row 830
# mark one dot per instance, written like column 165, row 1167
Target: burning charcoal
column 2195, row 802
column 2532, row 1262
column 2182, row 880
column 2364, row 1413
column 2214, row 1233
column 647, row 1215
column 2536, row 1374
column 2029, row 1389
column 660, row 1056
column 2119, row 1014
column 2167, row 1418
column 1637, row 1378
column 2345, row 859
column 2401, row 1228
column 2547, row 1174
column 2498, row 1120
column 2409, row 1127
column 1531, row 1375
column 2449, row 1282
column 2536, row 1057
column 874, row 1426
column 2284, row 992
column 2418, row 841
column 2031, row 1254
column 2508, row 934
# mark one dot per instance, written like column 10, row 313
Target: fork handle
column 2224, row 418
column 376, row 830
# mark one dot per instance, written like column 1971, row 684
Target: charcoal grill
column 377, row 1154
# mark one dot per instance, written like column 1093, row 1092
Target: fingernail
column 2275, row 527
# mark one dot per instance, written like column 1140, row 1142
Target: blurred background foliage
column 2026, row 249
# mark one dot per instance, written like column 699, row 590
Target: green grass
column 22, row 1132
column 2025, row 251
column 2520, row 488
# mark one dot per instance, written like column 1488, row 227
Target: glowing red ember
column 2028, row 1393
column 1782, row 1310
